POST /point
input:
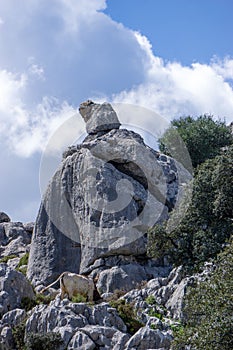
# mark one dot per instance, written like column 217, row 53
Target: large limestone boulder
column 13, row 287
column 103, row 198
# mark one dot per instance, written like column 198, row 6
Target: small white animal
column 73, row 284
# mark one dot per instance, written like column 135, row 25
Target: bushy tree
column 208, row 310
column 203, row 137
column 207, row 223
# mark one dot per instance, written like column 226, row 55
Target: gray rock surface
column 15, row 239
column 103, row 198
column 81, row 341
column 147, row 338
column 13, row 317
column 98, row 117
column 7, row 339
column 4, row 217
column 79, row 323
column 13, row 287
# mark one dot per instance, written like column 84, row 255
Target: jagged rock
column 13, row 286
column 14, row 317
column 98, row 117
column 53, row 252
column 4, row 217
column 102, row 199
column 81, row 341
column 13, row 263
column 147, row 338
column 124, row 278
column 7, row 339
column 107, row 338
column 125, row 273
column 14, row 239
column 68, row 318
column 29, row 226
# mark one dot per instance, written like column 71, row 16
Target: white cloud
column 75, row 12
column 175, row 90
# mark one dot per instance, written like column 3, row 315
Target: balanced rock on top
column 102, row 199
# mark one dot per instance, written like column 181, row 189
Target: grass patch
column 5, row 259
column 23, row 260
column 154, row 313
column 78, row 299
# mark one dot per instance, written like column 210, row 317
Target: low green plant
column 128, row 315
column 28, row 303
column 155, row 313
column 153, row 326
column 78, row 298
column 208, row 306
column 44, row 341
column 5, row 259
column 44, row 299
column 23, row 260
column 18, row 336
column 150, row 300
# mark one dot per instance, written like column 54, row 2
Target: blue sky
column 174, row 57
column 186, row 31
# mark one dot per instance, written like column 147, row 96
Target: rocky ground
column 142, row 318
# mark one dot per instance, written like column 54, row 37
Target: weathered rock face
column 105, row 195
column 15, row 238
column 98, row 117
column 13, row 287
column 4, row 217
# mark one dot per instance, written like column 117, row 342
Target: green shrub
column 28, row 303
column 208, row 310
column 128, row 315
column 155, row 313
column 78, row 298
column 5, row 259
column 45, row 341
column 203, row 137
column 44, row 299
column 150, row 300
column 18, row 335
column 206, row 225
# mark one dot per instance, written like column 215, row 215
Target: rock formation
column 103, row 198
column 4, row 217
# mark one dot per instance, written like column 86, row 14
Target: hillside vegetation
column 204, row 234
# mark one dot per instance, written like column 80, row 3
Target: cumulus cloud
column 74, row 52
column 54, row 57
column 174, row 90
